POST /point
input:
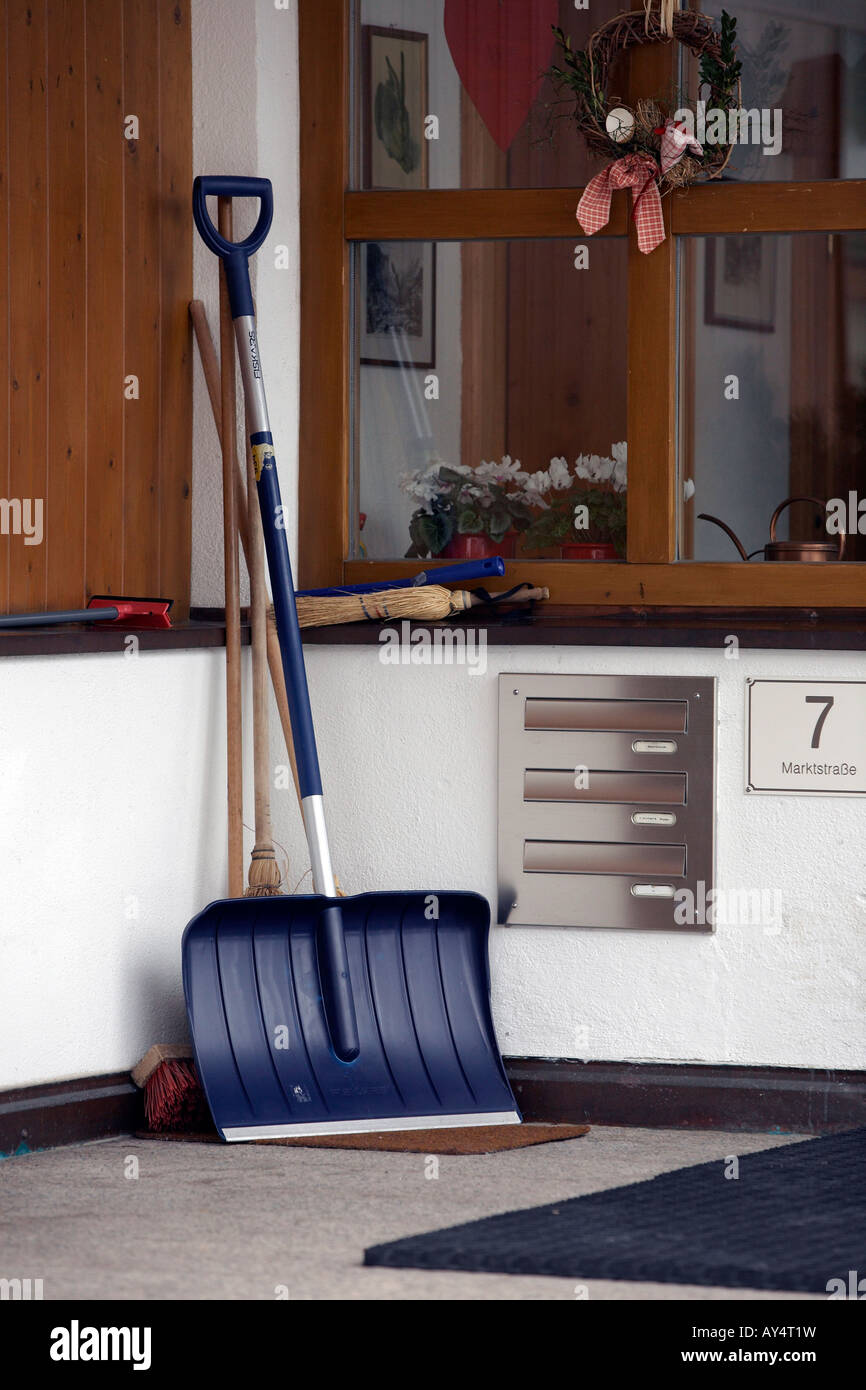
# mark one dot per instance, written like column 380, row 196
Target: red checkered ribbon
column 637, row 172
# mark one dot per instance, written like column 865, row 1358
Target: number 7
column 828, row 702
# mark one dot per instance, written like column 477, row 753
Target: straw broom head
column 264, row 878
column 428, row 603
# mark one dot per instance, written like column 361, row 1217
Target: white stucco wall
column 112, row 786
column 409, row 759
column 112, row 835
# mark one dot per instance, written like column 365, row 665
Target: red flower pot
column 478, row 547
column 589, row 550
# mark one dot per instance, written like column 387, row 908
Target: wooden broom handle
column 259, row 627
column 210, row 366
column 228, row 440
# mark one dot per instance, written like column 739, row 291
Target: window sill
column 808, row 629
column 206, row 628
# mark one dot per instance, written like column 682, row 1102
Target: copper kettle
column 809, row 551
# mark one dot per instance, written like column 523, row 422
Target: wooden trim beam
column 462, row 214
column 323, row 463
column 706, row 209
column 714, row 209
column 688, row 584
column 652, row 378
column 652, row 361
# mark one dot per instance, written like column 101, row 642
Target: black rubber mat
column 793, row 1219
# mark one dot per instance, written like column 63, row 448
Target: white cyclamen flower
column 559, row 474
column 539, row 482
column 606, row 471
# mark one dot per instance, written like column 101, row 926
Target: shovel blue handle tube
column 331, row 942
column 443, row 574
column 67, row 615
column 492, row 567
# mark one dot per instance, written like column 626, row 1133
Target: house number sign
column 806, row 737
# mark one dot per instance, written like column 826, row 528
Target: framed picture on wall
column 740, row 282
column 394, row 108
column 398, row 304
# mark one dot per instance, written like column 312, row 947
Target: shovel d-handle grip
column 235, row 255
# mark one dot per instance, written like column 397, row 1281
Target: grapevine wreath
column 646, row 148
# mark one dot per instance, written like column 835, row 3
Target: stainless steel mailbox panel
column 606, row 800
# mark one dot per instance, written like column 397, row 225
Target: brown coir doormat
column 474, row 1139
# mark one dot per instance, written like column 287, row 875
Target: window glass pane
column 499, row 123
column 471, row 353
column 772, row 386
column 806, row 59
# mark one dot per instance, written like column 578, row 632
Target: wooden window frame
column 333, row 218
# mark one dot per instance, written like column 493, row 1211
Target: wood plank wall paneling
column 174, row 194
column 105, row 307
column 141, row 316
column 28, row 288
column 67, row 339
column 5, row 383
column 96, row 266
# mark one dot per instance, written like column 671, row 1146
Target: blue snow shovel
column 317, row 1014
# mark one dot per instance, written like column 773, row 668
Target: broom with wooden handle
column 432, row 603
column 264, row 874
column 210, row 366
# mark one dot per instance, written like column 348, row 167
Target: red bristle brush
column 173, row 1098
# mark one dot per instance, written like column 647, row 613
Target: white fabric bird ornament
column 675, row 141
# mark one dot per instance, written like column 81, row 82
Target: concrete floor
column 205, row 1221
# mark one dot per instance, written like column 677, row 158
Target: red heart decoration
column 500, row 50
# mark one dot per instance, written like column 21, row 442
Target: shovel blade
column 418, row 966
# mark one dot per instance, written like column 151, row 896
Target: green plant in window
column 720, row 71
column 588, row 504
column 493, row 500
